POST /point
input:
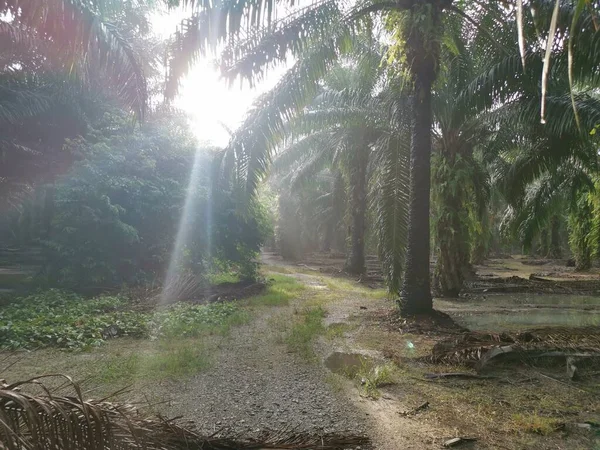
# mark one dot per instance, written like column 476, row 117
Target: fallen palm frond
column 48, row 420
column 478, row 348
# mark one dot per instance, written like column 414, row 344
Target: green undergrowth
column 280, row 290
column 535, row 423
column 373, row 377
column 223, row 277
column 302, row 334
column 171, row 342
column 276, row 269
column 170, row 358
column 338, row 330
column 344, row 285
column 55, row 318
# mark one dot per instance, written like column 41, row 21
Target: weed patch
column 534, row 423
column 223, row 277
column 276, row 269
column 280, row 291
column 337, row 330
column 341, row 284
column 302, row 334
column 374, row 377
column 166, row 359
column 184, row 320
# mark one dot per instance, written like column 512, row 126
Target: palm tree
column 327, row 27
column 71, row 35
column 310, row 215
column 541, row 169
column 460, row 182
column 339, row 129
column 54, row 55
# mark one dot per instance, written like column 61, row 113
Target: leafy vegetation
column 372, row 377
column 534, row 423
column 66, row 320
column 166, row 359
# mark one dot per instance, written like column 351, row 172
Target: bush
column 114, row 218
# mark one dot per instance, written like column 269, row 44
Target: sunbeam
column 169, row 291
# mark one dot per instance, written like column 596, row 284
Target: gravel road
column 255, row 384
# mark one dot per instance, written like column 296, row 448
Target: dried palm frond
column 472, row 347
column 48, row 420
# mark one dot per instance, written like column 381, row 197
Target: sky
column 208, row 100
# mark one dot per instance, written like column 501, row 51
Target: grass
column 534, row 423
column 305, row 330
column 169, row 359
column 337, row 330
column 280, row 291
column 276, row 269
column 335, row 382
column 55, row 318
column 341, row 284
column 372, row 377
column 184, row 353
column 174, row 342
column 223, row 277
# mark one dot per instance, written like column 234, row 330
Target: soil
column 510, row 273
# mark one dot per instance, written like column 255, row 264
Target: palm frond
column 548, row 194
column 254, row 143
column 86, row 41
column 55, row 420
column 289, row 37
column 391, row 205
column 22, row 96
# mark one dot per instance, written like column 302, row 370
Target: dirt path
column 256, row 384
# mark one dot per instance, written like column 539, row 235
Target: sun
column 213, row 105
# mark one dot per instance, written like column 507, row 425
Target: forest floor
column 324, row 353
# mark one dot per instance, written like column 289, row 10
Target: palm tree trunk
column 480, row 251
column 543, row 248
column 355, row 261
column 555, row 248
column 49, row 208
column 415, row 296
column 327, row 238
column 452, row 265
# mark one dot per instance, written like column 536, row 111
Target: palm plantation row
column 487, row 142
column 384, row 101
column 374, row 114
